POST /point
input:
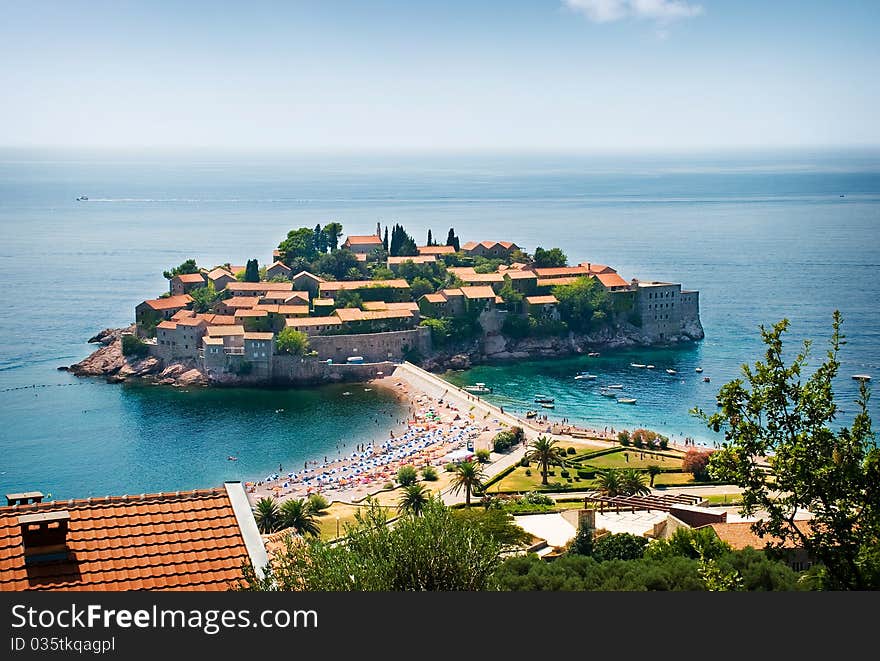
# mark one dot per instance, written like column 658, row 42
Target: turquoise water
column 762, row 236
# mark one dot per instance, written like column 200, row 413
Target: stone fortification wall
column 373, row 347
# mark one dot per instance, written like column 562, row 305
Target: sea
column 763, row 236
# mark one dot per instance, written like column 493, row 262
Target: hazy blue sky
column 509, row 74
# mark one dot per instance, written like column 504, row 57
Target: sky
column 547, row 75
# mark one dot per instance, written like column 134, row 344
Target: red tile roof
column 220, row 331
column 241, row 302
column 739, row 535
column 611, row 280
column 218, row 319
column 169, row 302
column 550, row 299
column 167, row 325
column 219, row 272
column 182, row 314
column 259, row 336
column 259, row 286
column 339, row 285
column 562, row 272
column 279, row 265
column 478, row 292
column 188, row 278
column 415, row 259
column 435, row 298
column 436, row 250
column 191, row 321
column 597, row 268
column 186, row 541
column 552, row 282
column 363, row 240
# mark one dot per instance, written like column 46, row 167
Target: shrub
column 133, row 346
column 524, row 462
column 620, row 546
column 429, row 474
column 449, row 468
column 570, row 450
column 638, row 442
column 536, row 498
column 528, row 472
column 586, row 474
column 564, row 473
column 623, row 437
column 582, row 543
column 696, row 463
column 407, row 475
column 664, row 442
column 388, row 485
column 482, row 455
column 318, row 503
column 292, row 342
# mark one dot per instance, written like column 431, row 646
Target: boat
column 479, row 388
column 531, row 414
column 583, row 375
column 231, row 458
column 367, row 389
column 617, row 386
column 626, row 400
column 649, row 367
column 346, row 393
column 671, row 371
column 549, row 406
column 593, row 354
column 82, row 198
column 698, row 370
column 543, row 399
column 706, row 379
column 607, row 393
column 637, row 365
column 861, row 377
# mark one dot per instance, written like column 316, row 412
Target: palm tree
column 609, row 483
column 413, row 499
column 654, row 470
column 632, row 482
column 298, row 515
column 468, row 476
column 266, row 515
column 544, row 451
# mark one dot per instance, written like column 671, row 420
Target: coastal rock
column 105, row 361
column 192, row 377
column 459, row 362
column 108, row 335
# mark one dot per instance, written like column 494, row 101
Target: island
column 324, row 312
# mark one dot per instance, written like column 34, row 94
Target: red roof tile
column 363, row 240
column 436, row 250
column 185, row 541
column 190, row 278
column 611, row 280
column 478, row 292
column 169, row 302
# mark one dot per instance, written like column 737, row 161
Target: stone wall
column 373, row 347
column 690, row 307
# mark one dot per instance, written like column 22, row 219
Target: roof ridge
column 98, row 500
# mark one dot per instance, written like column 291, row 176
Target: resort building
column 278, row 270
column 369, row 289
column 231, row 336
column 363, row 245
column 434, row 305
column 258, row 288
column 479, row 298
column 659, row 307
column 490, row 249
column 160, row 308
column 181, row 338
column 184, row 284
column 308, row 282
column 187, row 540
column 315, row 325
column 541, row 307
column 220, row 277
column 395, row 262
column 436, row 250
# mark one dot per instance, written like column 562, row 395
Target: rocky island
column 324, row 312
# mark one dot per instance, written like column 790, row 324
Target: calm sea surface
column 761, row 236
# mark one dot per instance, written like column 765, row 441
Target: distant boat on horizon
column 626, row 400
column 82, row 198
column 671, row 371
column 639, row 365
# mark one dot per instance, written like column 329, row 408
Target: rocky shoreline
column 109, row 362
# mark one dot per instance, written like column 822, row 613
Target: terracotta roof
column 452, row 292
column 483, row 277
column 478, row 292
column 182, row 314
column 436, row 250
column 218, row 319
column 415, row 259
column 597, row 268
column 191, row 321
column 167, row 325
column 220, row 331
column 462, row 271
column 306, row 274
column 212, row 340
column 363, row 240
column 259, row 336
column 279, row 265
column 190, row 277
column 507, row 244
column 541, row 300
column 516, row 274
column 349, row 314
column 470, row 245
column 298, row 322
column 219, row 272
column 325, row 302
column 242, row 302
column 552, row 282
column 341, row 285
column 388, row 314
column 297, row 296
column 435, row 298
column 611, row 280
column 488, row 245
column 191, row 540
column 562, row 272
column 241, row 314
column 259, row 286
column 739, row 534
column 169, row 302
column 375, row 305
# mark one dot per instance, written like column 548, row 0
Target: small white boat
column 607, row 393
column 367, row 389
column 861, row 377
column 82, row 198
column 671, row 371
column 231, row 458
column 479, row 388
column 698, row 370
column 637, row 365
column 543, row 399
column 626, row 400
column 346, row 393
column 549, row 406
column 617, row 386
column 649, row 367
column 531, row 414
column 583, row 375
column 593, row 354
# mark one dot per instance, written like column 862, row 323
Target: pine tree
column 378, row 229
column 430, row 239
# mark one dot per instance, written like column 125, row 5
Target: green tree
column 632, row 482
column 419, row 287
column 252, row 271
column 385, row 240
column 689, row 543
column 348, row 298
column 510, row 294
column 292, row 342
column 299, row 243
column 697, row 464
column 620, row 546
column 553, row 258
column 583, row 304
column 783, row 447
column 430, row 239
column 266, row 515
column 497, row 524
column 333, row 231
column 407, row 475
column 653, row 471
column 429, row 474
column 402, row 244
column 133, row 346
column 297, row 515
column 435, row 551
column 204, row 298
column 468, row 476
column 609, row 483
column 317, row 503
column 414, row 499
column 321, row 242
column 543, row 450
column 336, row 264
column 582, row 542
column 452, row 240
column 189, row 266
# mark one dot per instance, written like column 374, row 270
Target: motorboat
column 617, row 386
column 346, row 393
column 593, row 354
column 649, row 367
column 82, row 198
column 543, row 399
column 861, row 377
column 607, row 393
column 706, row 379
column 231, row 458
column 478, row 388
column 698, row 370
column 640, row 365
column 626, row 400
column 531, row 414
column 583, row 375
column 671, row 371
column 549, row 406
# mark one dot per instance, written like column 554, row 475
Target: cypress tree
column 430, row 239
column 252, row 271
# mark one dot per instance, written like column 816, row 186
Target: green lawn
column 724, row 499
column 631, row 458
column 519, row 481
column 669, row 479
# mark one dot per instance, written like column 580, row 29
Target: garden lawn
column 619, row 460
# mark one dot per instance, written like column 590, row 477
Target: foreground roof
column 169, row 302
column 192, row 540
